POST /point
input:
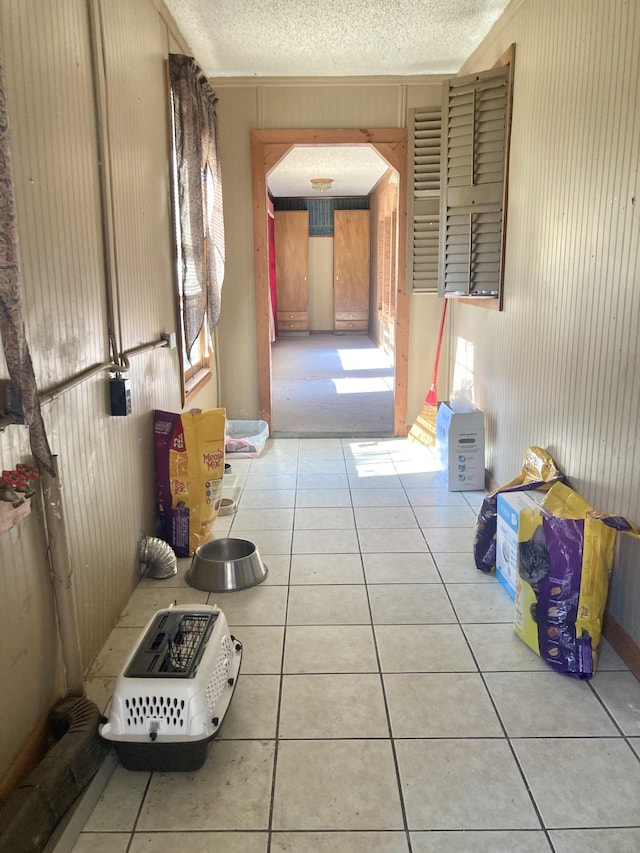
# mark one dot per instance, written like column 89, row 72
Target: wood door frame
column 268, row 147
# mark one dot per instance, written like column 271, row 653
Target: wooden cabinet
column 351, row 270
column 291, row 234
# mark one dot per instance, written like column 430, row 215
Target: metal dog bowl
column 224, row 565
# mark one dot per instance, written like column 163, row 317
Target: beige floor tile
column 635, row 745
column 375, row 498
column 253, row 709
column 610, row 794
column 309, row 498
column 99, row 690
column 113, row 655
column 332, row 842
column 476, row 602
column 326, row 568
column 365, row 477
column 321, row 465
column 265, row 518
column 509, row 841
column 102, row 842
column 608, row 659
column 463, row 784
column 454, row 539
column 384, row 516
column 596, row 840
column 445, row 516
column 277, row 569
column 261, row 649
column 391, row 541
column 328, row 605
column 328, row 784
column 324, row 518
column 449, row 705
column 400, row 568
column 260, row 605
column 498, row 649
column 266, row 541
column 416, row 479
column 332, row 706
column 199, row 842
column 423, row 648
column 620, row 692
column 274, row 479
column 231, row 791
column 322, row 481
column 564, row 706
column 263, row 498
column 325, row 541
column 332, row 648
column 143, row 603
column 117, row 807
column 434, row 497
column 410, row 604
column 459, row 568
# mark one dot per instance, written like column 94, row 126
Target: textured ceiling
column 354, row 169
column 293, row 38
column 345, row 38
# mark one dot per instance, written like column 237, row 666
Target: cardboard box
column 511, row 506
column 460, row 445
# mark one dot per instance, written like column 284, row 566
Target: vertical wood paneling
column 105, row 463
column 560, row 366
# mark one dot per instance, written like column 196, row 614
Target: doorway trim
column 268, row 147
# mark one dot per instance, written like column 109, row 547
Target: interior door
column 351, row 261
column 292, row 269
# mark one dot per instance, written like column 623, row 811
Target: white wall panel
column 105, row 462
column 559, row 367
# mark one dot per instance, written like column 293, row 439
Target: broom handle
column 439, row 345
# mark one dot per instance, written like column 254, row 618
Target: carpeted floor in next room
column 330, row 385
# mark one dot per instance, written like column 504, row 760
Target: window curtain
column 200, row 209
column 12, row 331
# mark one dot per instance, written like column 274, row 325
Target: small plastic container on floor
column 245, row 439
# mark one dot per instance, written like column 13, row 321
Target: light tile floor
column 384, row 703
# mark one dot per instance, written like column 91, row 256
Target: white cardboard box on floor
column 509, row 509
column 460, row 445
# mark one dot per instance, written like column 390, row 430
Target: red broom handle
column 439, row 346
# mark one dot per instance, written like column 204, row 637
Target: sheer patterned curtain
column 14, row 342
column 199, row 184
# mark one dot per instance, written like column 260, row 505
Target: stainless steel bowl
column 224, row 565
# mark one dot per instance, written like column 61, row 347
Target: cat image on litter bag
column 534, row 564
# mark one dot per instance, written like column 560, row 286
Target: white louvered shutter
column 473, row 169
column 424, row 199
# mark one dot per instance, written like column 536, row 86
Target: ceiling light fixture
column 321, row 184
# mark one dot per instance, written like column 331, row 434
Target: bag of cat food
column 565, row 558
column 189, row 457
column 539, row 471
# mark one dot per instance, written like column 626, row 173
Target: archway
column 268, row 147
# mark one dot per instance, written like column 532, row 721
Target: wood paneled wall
column 106, row 463
column 560, row 366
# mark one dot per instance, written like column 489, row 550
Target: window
column 198, row 216
column 476, row 122
column 424, row 198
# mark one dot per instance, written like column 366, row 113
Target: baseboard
column 34, row 748
column 623, row 644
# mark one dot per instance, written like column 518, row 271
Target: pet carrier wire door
column 174, row 690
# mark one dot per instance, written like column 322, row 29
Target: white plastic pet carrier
column 174, row 690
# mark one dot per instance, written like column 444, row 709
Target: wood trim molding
column 268, row 147
column 623, row 644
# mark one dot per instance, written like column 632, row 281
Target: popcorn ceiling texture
column 290, row 38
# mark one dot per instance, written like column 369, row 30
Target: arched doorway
column 268, row 147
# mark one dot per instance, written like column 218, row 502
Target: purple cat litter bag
column 565, row 559
column 538, row 471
